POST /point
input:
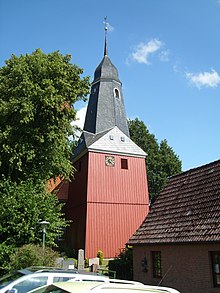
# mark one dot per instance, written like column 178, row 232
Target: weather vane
column 106, row 28
column 106, row 24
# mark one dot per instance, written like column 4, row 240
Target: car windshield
column 5, row 280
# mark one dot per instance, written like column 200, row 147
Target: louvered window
column 124, row 163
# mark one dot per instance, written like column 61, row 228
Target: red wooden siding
column 106, row 204
column 117, row 203
column 109, row 227
column 113, row 184
column 75, row 208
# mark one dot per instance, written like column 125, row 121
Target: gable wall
column 117, row 203
column 114, row 184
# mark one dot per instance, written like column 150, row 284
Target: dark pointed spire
column 106, row 29
column 106, row 103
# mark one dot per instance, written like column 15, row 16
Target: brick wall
column 186, row 268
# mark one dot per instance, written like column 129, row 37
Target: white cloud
column 164, row 55
column 204, row 79
column 143, row 50
column 176, row 68
column 109, row 27
column 80, row 118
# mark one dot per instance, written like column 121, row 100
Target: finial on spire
column 106, row 29
column 106, row 24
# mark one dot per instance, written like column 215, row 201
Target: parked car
column 32, row 280
column 97, row 287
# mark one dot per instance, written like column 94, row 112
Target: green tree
column 37, row 93
column 23, row 206
column 161, row 160
column 37, row 96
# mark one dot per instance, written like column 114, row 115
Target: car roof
column 54, row 273
column 88, row 277
column 118, row 281
column 36, row 269
column 39, row 269
column 85, row 287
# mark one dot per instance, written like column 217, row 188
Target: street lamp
column 43, row 226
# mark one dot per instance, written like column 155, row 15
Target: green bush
column 100, row 255
column 86, row 263
column 32, row 255
column 5, row 252
column 123, row 264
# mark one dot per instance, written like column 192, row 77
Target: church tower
column 108, row 196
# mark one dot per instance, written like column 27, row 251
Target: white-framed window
column 116, row 93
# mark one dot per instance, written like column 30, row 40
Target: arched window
column 116, row 93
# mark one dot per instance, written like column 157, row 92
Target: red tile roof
column 60, row 187
column 187, row 210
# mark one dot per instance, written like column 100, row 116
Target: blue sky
column 166, row 51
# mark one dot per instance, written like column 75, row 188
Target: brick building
column 178, row 244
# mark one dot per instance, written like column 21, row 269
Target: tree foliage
column 37, row 93
column 37, row 96
column 161, row 160
column 23, row 206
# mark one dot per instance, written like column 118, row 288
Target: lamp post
column 43, row 226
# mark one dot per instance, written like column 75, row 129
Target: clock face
column 110, row 161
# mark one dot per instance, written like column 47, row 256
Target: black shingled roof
column 187, row 210
column 86, row 139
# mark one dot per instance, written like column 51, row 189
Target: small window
column 215, row 257
column 116, row 93
column 156, row 264
column 111, row 137
column 124, row 163
column 122, row 138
